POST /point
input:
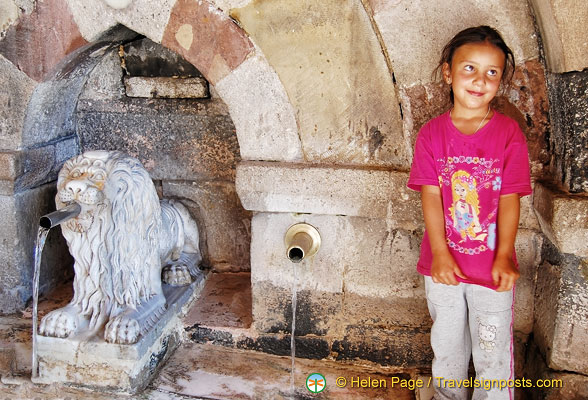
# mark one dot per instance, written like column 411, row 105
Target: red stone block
column 39, row 41
column 208, row 39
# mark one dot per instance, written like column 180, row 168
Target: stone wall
column 561, row 203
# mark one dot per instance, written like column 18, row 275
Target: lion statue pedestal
column 136, row 263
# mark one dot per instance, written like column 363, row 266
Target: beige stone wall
column 330, row 61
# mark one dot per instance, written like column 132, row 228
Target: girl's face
column 460, row 191
column 474, row 74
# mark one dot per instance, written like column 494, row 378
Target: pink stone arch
column 258, row 104
column 207, row 39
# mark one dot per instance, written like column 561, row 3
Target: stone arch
column 563, row 32
column 263, row 116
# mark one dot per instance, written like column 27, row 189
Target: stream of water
column 292, row 340
column 41, row 238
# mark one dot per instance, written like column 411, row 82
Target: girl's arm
column 504, row 272
column 444, row 268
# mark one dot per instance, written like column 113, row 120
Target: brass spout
column 55, row 218
column 302, row 240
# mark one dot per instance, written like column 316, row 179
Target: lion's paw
column 122, row 330
column 59, row 323
column 177, row 274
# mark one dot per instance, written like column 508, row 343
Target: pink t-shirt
column 473, row 171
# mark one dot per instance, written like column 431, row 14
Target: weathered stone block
column 9, row 13
column 528, row 218
column 50, row 112
column 563, row 218
column 224, row 224
column 419, row 39
column 528, row 247
column 555, row 385
column 17, row 89
column 330, row 190
column 262, row 112
column 562, row 23
column 36, row 45
column 331, row 64
column 347, row 244
column 41, row 164
column 21, row 214
column 561, row 314
column 145, row 17
column 10, row 166
column 93, row 362
column 361, row 265
column 399, row 347
column 195, row 141
column 568, row 97
column 207, row 38
column 317, row 312
column 163, row 87
column 386, row 312
column 104, row 81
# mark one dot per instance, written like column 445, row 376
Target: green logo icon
column 316, row 383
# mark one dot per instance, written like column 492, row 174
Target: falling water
column 41, row 237
column 292, row 341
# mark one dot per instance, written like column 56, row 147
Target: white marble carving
column 121, row 240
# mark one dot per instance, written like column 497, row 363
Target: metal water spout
column 55, row 218
column 302, row 241
column 46, row 222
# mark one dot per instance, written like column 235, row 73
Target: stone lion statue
column 121, row 241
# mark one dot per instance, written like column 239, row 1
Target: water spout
column 57, row 217
column 45, row 223
column 302, row 241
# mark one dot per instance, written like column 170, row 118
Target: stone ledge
column 563, row 218
column 400, row 347
column 328, row 190
column 166, row 87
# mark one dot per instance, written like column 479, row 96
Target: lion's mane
column 114, row 242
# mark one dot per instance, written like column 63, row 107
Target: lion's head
column 114, row 239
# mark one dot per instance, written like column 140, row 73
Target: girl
column 467, row 255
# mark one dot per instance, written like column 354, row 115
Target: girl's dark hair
column 477, row 34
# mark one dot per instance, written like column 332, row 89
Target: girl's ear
column 446, row 70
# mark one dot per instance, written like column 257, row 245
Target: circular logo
column 316, row 383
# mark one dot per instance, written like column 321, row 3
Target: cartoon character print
column 470, row 230
column 487, row 336
column 465, row 208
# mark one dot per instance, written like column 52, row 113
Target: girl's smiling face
column 475, row 74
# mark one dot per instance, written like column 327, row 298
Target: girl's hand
column 504, row 273
column 444, row 269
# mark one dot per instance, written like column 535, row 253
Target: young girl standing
column 471, row 167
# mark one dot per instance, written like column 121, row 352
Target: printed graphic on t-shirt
column 470, row 226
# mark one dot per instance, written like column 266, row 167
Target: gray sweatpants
column 470, row 320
